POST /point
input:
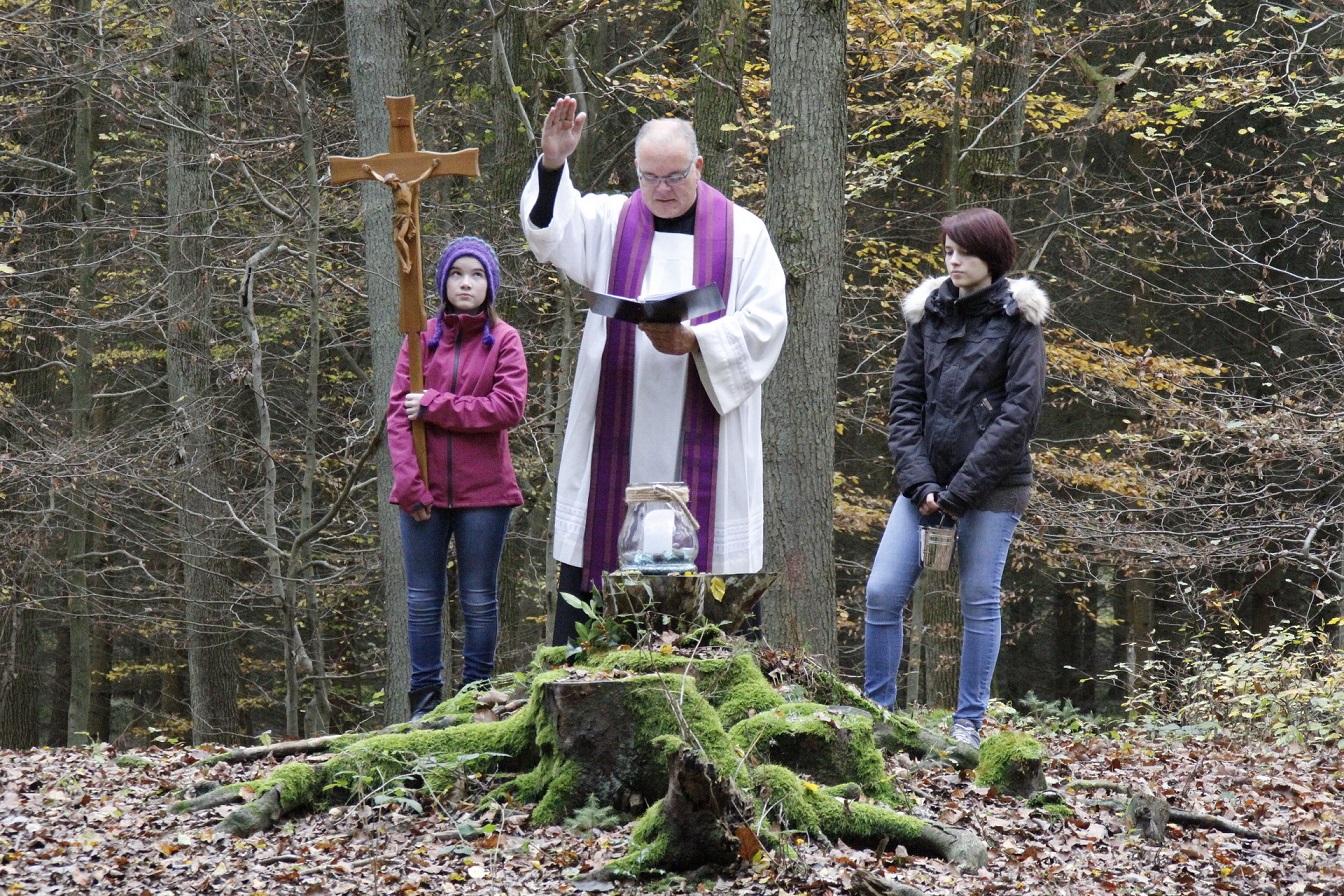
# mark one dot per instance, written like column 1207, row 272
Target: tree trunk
column 522, row 610
column 722, row 27
column 212, row 662
column 1339, row 600
column 1139, row 643
column 100, row 701
column 805, row 213
column 1068, row 628
column 50, row 203
column 915, row 675
column 55, row 689
column 522, row 579
column 315, row 720
column 513, row 152
column 19, row 677
column 280, row 590
column 608, row 145
column 376, row 32
column 941, row 638
column 81, row 395
column 992, row 144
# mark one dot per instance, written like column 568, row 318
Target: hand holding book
column 671, row 308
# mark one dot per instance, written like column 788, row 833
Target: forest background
column 197, row 325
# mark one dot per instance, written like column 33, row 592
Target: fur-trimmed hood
column 1027, row 299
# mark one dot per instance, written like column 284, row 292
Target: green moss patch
column 1011, row 761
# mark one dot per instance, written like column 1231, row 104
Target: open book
column 665, row 308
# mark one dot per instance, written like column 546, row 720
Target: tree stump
column 680, row 602
column 694, row 732
column 1148, row 813
column 1012, row 762
column 707, row 819
column 595, row 729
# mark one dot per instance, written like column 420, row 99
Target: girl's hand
column 413, row 404
column 421, row 513
column 931, row 506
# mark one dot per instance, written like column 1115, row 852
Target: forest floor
column 98, row 821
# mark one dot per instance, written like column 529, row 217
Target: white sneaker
column 964, row 732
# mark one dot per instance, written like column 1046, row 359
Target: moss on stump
column 1012, row 762
column 698, row 732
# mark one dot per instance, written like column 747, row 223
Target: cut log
column 1217, row 823
column 279, row 750
column 1013, row 762
column 258, row 815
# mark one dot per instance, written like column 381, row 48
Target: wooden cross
column 403, row 168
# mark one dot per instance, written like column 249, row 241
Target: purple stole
column 616, row 384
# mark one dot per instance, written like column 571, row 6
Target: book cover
column 664, row 308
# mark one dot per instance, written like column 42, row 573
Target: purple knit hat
column 480, row 250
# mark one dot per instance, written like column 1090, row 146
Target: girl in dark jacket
column 475, row 392
column 965, row 399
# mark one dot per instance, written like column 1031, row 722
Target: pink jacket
column 474, row 394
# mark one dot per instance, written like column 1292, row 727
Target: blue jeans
column 478, row 534
column 982, row 552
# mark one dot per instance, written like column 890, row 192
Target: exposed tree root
column 258, row 815
column 279, row 749
column 866, row 883
column 1149, row 813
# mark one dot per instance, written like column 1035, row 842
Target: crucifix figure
column 403, row 168
column 405, row 221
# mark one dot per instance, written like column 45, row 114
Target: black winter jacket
column 967, row 390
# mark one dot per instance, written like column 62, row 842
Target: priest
column 657, row 402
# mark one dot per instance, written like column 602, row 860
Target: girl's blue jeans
column 478, row 537
column 983, row 539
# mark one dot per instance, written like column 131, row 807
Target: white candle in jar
column 660, row 524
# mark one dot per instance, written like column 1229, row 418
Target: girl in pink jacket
column 475, row 392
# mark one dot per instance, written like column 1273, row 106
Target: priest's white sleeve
column 737, row 352
column 578, row 240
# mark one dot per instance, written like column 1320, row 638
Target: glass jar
column 658, row 535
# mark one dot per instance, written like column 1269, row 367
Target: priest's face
column 669, row 173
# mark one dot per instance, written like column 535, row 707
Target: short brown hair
column 982, row 232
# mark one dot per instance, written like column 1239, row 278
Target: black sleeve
column 905, row 432
column 548, row 184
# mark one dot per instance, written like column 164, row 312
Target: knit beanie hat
column 480, row 250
